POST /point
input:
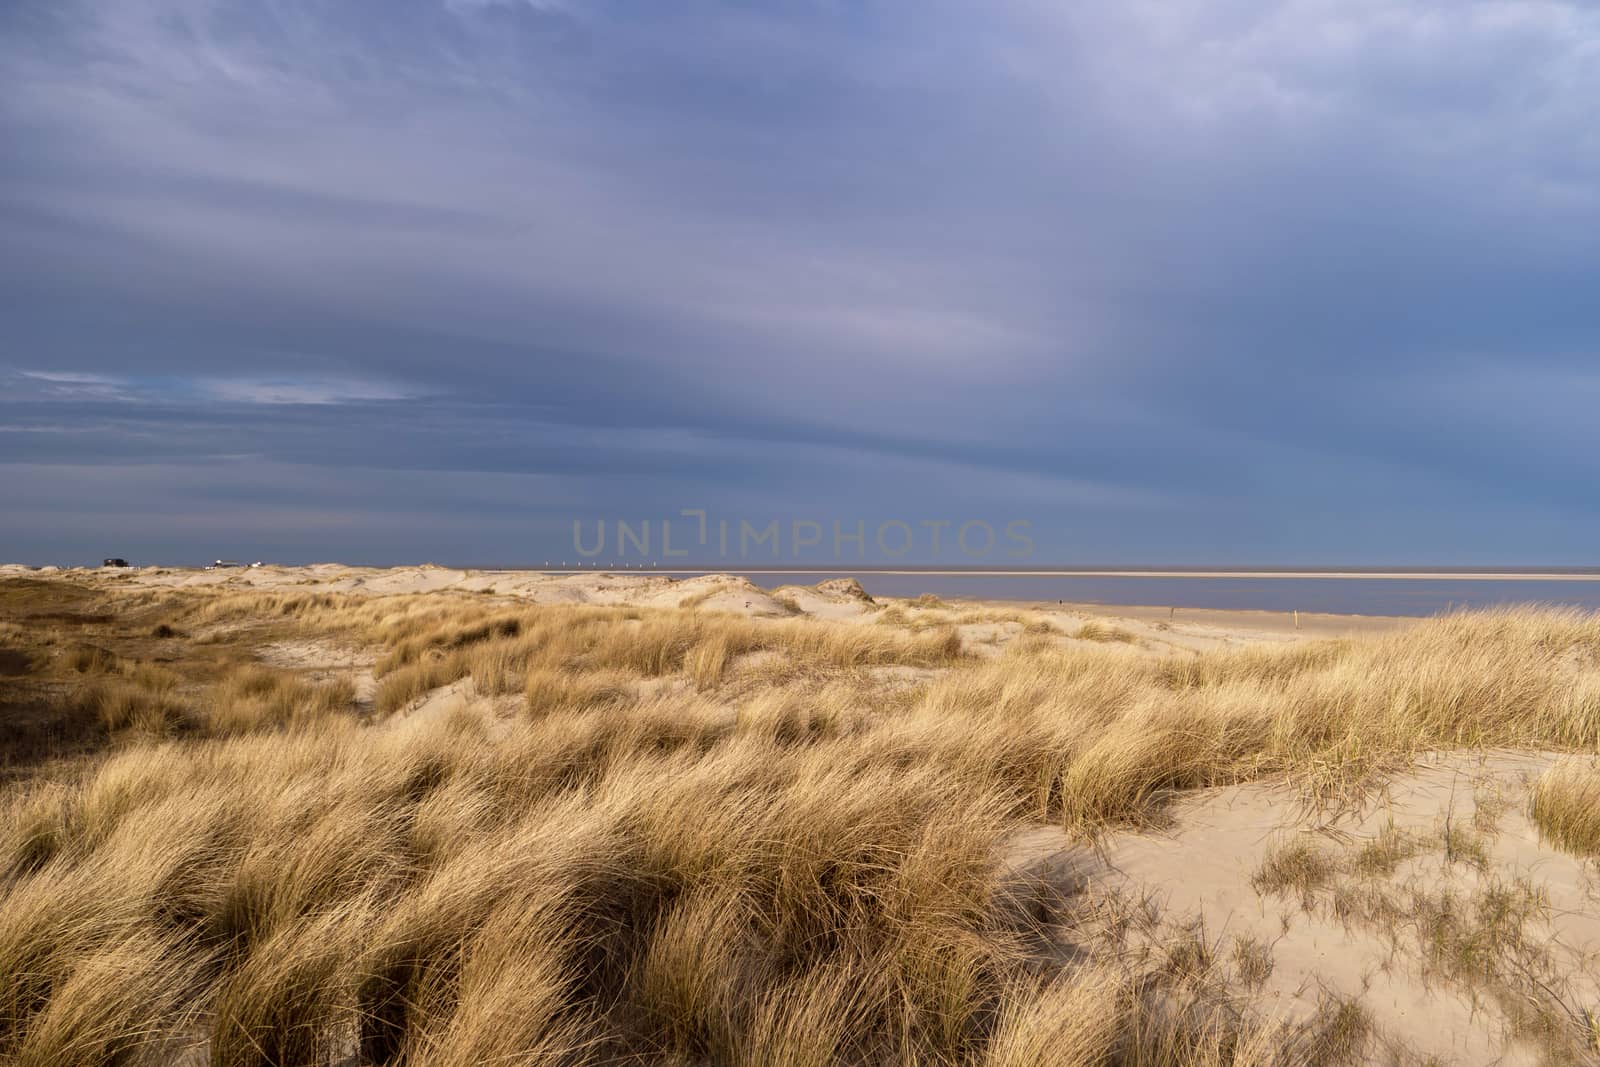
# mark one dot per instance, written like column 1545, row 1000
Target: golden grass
column 692, row 872
column 1096, row 630
column 254, row 698
column 1566, row 805
column 498, row 652
column 937, row 614
column 140, row 697
column 150, row 699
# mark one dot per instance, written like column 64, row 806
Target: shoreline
column 1254, row 620
column 1343, row 576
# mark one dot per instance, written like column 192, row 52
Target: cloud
column 1234, row 260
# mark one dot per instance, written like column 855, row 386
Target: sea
column 1348, row 593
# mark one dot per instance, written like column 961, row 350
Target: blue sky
column 1176, row 281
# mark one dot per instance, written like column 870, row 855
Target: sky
column 1175, row 281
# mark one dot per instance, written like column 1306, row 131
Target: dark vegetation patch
column 70, row 618
column 71, row 658
column 44, row 725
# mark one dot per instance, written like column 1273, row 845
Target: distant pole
column 1297, row 619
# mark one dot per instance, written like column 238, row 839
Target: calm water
column 1345, row 596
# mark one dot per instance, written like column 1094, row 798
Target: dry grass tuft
column 1566, row 805
column 88, row 659
column 548, row 690
column 255, row 698
column 141, row 698
column 1095, row 630
column 1297, row 864
column 788, row 603
column 1252, row 960
column 1380, row 856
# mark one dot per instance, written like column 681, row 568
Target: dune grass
column 806, row 873
column 1096, row 630
column 499, row 652
column 1566, row 805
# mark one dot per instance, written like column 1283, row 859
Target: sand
column 1330, row 941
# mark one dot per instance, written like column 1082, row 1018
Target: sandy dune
column 1154, row 629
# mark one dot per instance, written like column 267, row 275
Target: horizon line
column 1147, row 571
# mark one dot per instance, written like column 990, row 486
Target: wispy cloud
column 73, row 385
column 296, row 391
column 65, row 385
